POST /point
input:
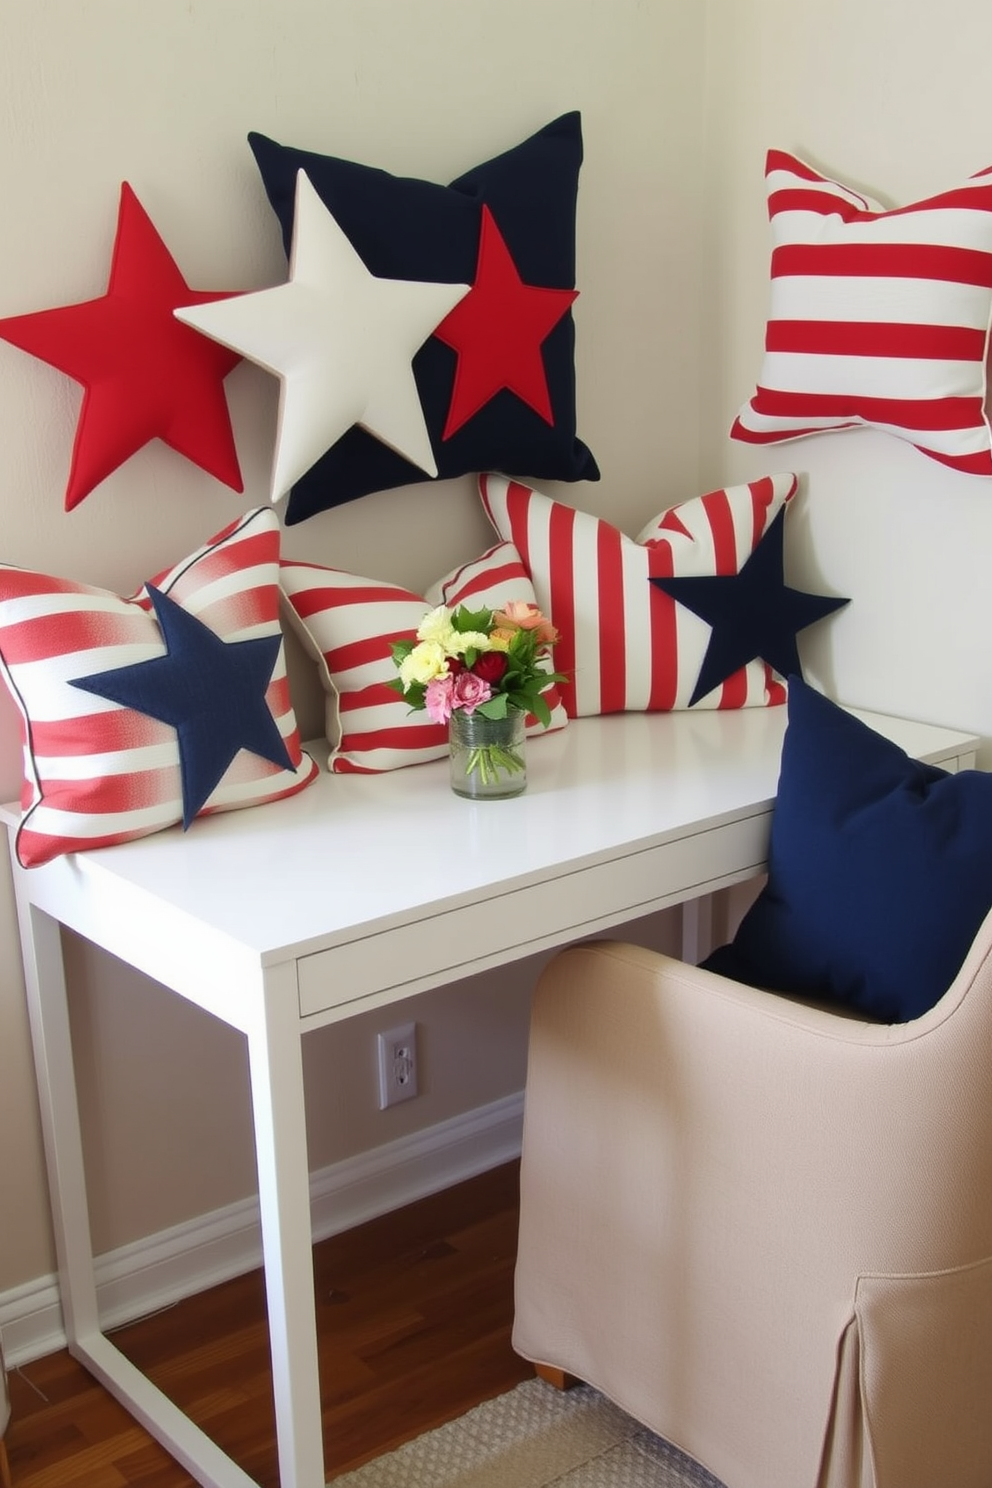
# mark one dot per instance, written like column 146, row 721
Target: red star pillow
column 877, row 317
column 146, row 375
column 629, row 646
column 348, row 624
column 97, row 772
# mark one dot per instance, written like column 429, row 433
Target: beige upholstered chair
column 4, row 1422
column 762, row 1228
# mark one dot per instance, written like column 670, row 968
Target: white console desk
column 359, row 891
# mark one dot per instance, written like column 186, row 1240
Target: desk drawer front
column 452, row 944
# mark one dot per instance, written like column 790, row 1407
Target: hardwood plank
column 414, row 1312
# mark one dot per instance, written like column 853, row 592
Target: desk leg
column 276, row 1066
column 44, row 977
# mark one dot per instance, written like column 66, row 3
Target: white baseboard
column 188, row 1258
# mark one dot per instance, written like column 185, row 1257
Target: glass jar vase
column 487, row 755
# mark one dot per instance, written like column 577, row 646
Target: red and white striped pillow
column 348, row 625
column 877, row 317
column 95, row 772
column 628, row 646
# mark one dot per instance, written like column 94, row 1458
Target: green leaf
column 495, row 707
column 540, row 710
column 464, row 620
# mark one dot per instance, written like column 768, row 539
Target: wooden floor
column 413, row 1316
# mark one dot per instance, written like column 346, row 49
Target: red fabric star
column 145, row 374
column 497, row 331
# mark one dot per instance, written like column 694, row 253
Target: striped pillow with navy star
column 628, row 646
column 877, row 318
column 96, row 772
column 348, row 625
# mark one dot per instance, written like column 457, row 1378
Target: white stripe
column 804, row 297
column 868, row 376
column 37, row 606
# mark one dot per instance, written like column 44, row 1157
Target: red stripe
column 374, row 696
column 113, row 732
column 979, row 463
column 329, row 597
column 908, row 413
column 824, row 203
column 664, row 631
column 403, row 738
column 762, row 496
column 781, row 160
column 231, row 557
column 135, row 790
column 613, row 640
column 361, row 652
column 876, row 339
column 47, row 636
column 35, row 848
column 511, row 571
column 562, row 582
column 883, row 261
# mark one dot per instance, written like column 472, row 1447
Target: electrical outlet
column 397, row 1051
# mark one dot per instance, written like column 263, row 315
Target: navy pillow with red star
column 496, row 379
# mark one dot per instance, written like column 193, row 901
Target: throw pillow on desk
column 879, row 870
column 138, row 713
column 629, row 646
column 348, row 625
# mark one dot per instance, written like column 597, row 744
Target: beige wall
column 93, row 92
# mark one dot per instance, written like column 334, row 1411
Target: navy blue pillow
column 879, row 875
column 410, row 229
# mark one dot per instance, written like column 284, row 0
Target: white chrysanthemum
column 461, row 641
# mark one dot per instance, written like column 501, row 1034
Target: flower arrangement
column 485, row 662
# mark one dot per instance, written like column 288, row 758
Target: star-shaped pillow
column 496, row 380
column 146, row 376
column 629, row 646
column 348, row 625
column 877, row 317
column 141, row 712
column 341, row 341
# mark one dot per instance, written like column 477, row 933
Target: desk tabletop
column 365, row 853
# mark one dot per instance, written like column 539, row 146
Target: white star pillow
column 340, row 340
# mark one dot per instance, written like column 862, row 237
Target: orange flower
column 519, row 615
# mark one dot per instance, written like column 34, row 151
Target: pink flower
column 469, row 691
column 438, row 700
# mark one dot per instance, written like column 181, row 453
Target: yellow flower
column 425, row 662
column 436, row 625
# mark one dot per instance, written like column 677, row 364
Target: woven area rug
column 532, row 1437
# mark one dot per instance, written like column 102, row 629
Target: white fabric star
column 340, row 340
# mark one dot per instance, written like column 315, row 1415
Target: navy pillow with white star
column 497, row 378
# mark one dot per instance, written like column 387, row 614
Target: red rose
column 455, row 665
column 490, row 666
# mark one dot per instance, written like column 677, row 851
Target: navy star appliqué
column 211, row 691
column 753, row 614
